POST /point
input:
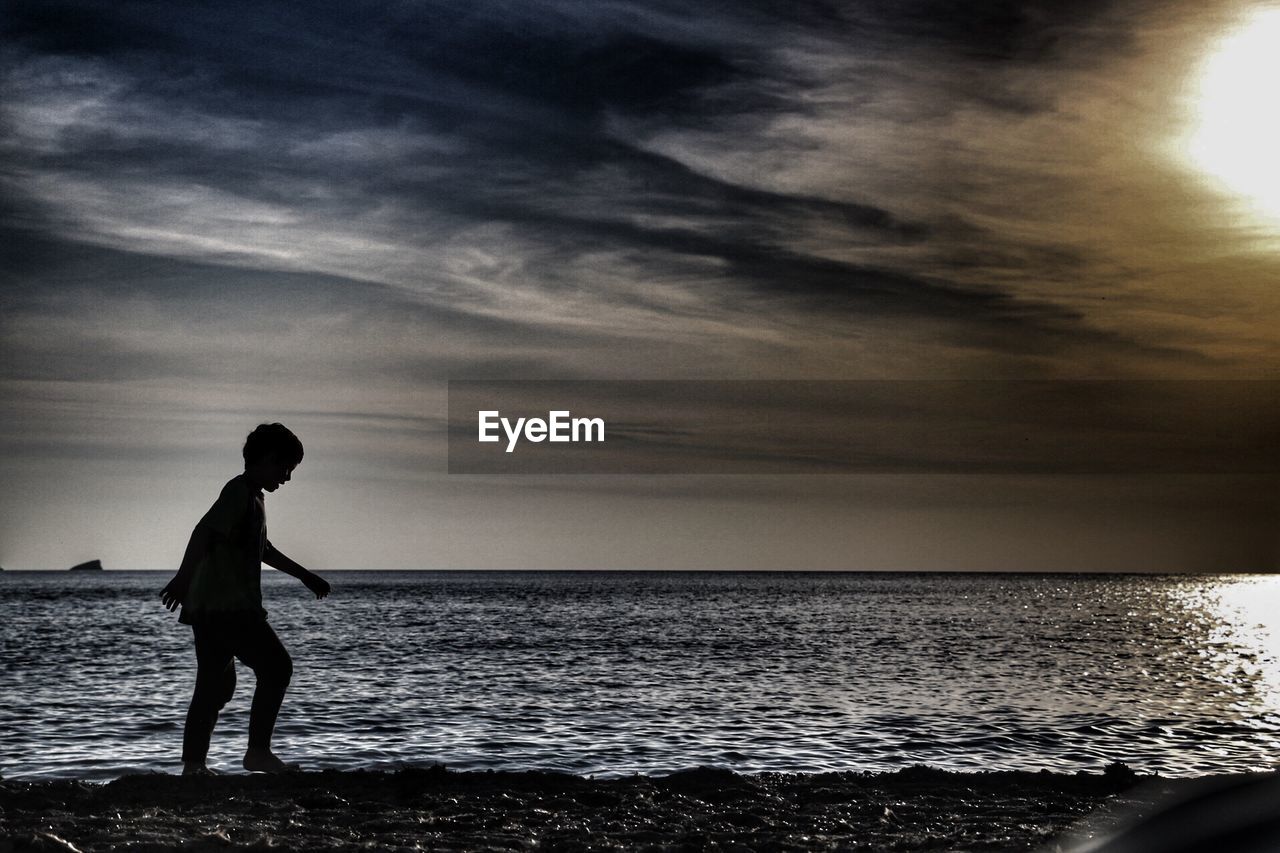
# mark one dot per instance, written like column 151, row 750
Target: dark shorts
column 219, row 643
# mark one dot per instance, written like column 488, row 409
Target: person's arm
column 197, row 546
column 276, row 560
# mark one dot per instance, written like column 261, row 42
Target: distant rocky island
column 91, row 566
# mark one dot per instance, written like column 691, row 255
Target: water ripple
column 614, row 673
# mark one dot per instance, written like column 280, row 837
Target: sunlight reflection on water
column 1241, row 639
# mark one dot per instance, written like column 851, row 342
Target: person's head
column 271, row 452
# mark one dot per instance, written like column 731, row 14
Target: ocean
column 613, row 673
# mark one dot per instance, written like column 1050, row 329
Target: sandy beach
column 703, row 809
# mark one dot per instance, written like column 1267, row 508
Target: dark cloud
column 82, row 29
column 994, row 30
column 491, row 115
column 581, row 77
column 248, row 56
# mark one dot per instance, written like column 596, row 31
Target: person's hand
column 173, row 593
column 316, row 584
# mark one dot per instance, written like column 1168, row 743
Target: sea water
column 612, row 673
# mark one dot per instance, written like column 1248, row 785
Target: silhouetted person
column 219, row 588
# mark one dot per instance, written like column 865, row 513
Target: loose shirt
column 227, row 583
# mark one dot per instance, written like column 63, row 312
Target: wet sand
column 704, row 809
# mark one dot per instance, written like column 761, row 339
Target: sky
column 218, row 214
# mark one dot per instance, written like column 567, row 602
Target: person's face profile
column 278, row 472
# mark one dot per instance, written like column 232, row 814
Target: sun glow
column 1237, row 139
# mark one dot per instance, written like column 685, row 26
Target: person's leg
column 261, row 650
column 215, row 684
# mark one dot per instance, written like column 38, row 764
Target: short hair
column 267, row 439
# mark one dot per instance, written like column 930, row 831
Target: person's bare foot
column 266, row 761
column 193, row 768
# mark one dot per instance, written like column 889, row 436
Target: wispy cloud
column 484, row 157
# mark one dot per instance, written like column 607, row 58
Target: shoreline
column 916, row 808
